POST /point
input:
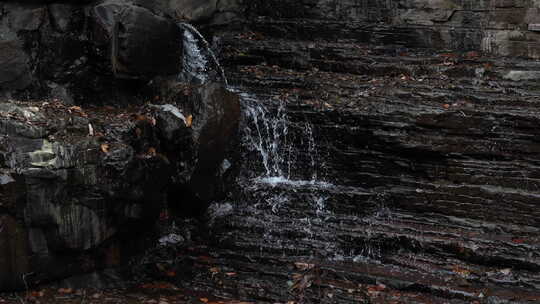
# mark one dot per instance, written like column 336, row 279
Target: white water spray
column 198, row 61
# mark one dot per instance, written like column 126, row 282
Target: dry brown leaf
column 189, row 121
column 461, row 271
column 152, row 151
column 303, row 266
column 204, row 300
column 160, row 266
column 37, row 294
column 105, row 148
column 65, row 290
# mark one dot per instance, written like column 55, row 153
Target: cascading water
column 199, row 63
column 282, row 191
column 282, row 186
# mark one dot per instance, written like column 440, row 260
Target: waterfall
column 199, row 63
column 267, row 133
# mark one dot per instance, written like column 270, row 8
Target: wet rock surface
column 399, row 174
column 389, row 155
column 98, row 136
column 77, row 183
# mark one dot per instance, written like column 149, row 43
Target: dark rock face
column 77, row 185
column 505, row 28
column 426, row 160
column 142, row 44
column 82, row 184
column 83, row 47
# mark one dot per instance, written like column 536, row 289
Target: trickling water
column 282, row 169
column 199, row 63
column 282, row 180
column 267, row 134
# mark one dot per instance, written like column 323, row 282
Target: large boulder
column 78, row 184
column 81, row 183
column 141, row 43
column 84, row 46
column 72, row 185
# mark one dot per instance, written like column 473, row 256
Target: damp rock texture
column 424, row 142
column 501, row 27
column 97, row 135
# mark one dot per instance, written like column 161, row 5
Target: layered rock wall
column 98, row 135
column 500, row 27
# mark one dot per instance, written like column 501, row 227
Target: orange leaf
column 205, row 300
column 189, row 121
column 65, row 290
column 105, row 148
column 461, row 271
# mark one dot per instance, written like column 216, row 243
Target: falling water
column 199, row 63
column 282, row 166
column 267, row 133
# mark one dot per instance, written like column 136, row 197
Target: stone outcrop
column 505, row 28
column 97, row 136
column 426, row 149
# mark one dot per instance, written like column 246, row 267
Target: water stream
column 199, row 63
column 283, row 189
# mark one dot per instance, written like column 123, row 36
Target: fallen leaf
column 105, row 148
column 472, row 54
column 461, row 271
column 446, row 106
column 65, row 290
column 204, row 300
column 151, row 151
column 303, row 266
column 37, row 294
column 189, row 121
